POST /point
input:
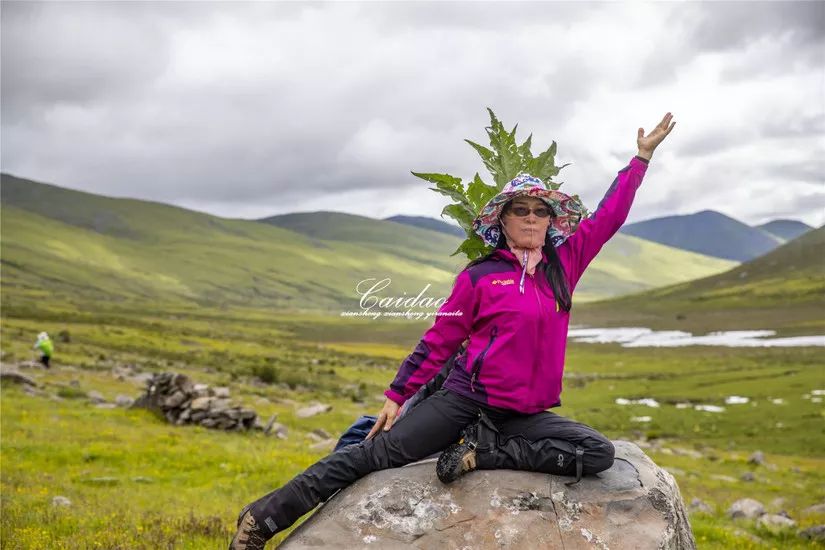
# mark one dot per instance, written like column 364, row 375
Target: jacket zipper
column 480, row 359
column 538, row 333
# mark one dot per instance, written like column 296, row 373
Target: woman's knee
column 598, row 455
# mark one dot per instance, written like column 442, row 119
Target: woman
column 514, row 306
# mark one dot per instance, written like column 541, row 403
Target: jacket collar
column 507, row 254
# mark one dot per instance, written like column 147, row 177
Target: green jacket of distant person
column 44, row 344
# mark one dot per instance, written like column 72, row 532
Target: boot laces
column 249, row 535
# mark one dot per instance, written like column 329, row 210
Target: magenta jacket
column 515, row 356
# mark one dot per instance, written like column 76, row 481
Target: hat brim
column 567, row 214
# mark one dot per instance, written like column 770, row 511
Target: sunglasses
column 523, row 211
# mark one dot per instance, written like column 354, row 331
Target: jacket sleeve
column 593, row 232
column 451, row 327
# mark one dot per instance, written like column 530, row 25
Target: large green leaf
column 505, row 160
column 460, row 213
column 473, row 248
column 445, row 184
column 479, row 193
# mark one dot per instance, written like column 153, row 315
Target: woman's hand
column 647, row 144
column 385, row 418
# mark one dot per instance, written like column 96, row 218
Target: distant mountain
column 785, row 229
column 625, row 264
column 783, row 289
column 707, row 232
column 429, row 223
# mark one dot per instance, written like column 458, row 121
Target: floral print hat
column 567, row 211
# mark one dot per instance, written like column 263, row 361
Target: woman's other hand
column 385, row 418
column 647, row 144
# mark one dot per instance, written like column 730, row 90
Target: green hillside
column 629, row 264
column 414, row 243
column 783, row 289
column 77, row 248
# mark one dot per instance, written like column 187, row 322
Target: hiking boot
column 250, row 536
column 459, row 458
column 244, row 510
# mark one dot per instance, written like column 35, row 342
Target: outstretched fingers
column 382, row 418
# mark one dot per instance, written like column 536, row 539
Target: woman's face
column 526, row 231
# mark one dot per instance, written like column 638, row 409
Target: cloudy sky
column 253, row 109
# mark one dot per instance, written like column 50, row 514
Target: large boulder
column 634, row 504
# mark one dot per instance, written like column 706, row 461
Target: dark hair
column 553, row 269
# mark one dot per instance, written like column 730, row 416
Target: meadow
column 135, row 481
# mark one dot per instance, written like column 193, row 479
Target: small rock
column 816, row 533
column 105, row 406
column 75, row 383
column 320, row 432
column 757, row 458
column 16, row 378
column 220, row 392
column 95, row 397
column 174, row 400
column 700, row 506
column 123, row 401
column 219, row 404
column 278, row 430
column 201, row 404
column 270, row 423
column 142, row 378
column 814, row 510
column 61, row 501
column 31, row 390
column 323, row 445
column 775, row 522
column 747, row 476
column 313, row 410
column 746, row 508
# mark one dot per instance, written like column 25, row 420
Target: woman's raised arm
column 593, row 232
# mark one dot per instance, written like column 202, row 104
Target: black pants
column 542, row 442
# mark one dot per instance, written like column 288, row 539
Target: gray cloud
column 245, row 108
column 731, row 25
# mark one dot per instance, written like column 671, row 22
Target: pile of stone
column 181, row 401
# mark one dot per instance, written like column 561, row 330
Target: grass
column 136, row 482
